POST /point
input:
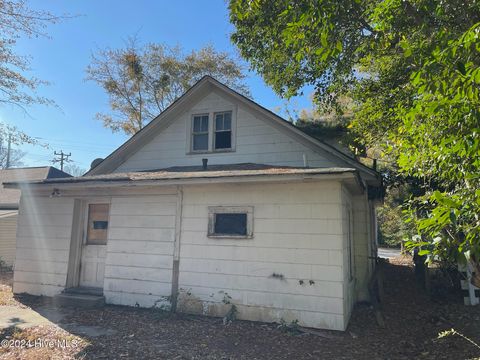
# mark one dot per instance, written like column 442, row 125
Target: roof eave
column 9, row 206
column 185, row 181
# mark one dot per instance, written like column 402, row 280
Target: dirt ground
column 412, row 323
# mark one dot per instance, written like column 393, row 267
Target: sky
column 62, row 58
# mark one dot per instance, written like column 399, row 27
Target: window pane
column 205, row 123
column 200, row 142
column 196, row 123
column 231, row 224
column 219, row 122
column 100, row 225
column 97, row 224
column 227, row 122
column 227, row 116
column 223, row 140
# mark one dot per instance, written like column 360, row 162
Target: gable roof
column 9, row 198
column 117, row 157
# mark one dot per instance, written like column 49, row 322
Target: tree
column 17, row 19
column 143, row 81
column 14, row 158
column 412, row 68
column 10, row 134
column 74, row 170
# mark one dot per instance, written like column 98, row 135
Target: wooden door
column 94, row 249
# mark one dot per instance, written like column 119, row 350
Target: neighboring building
column 9, row 201
column 217, row 201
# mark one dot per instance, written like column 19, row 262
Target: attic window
column 230, row 222
column 200, row 133
column 223, row 130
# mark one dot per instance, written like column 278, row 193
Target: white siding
column 362, row 237
column 347, row 226
column 8, row 233
column 297, row 234
column 43, row 241
column 141, row 236
column 256, row 142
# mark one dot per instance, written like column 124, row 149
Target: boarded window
column 223, row 130
column 200, row 133
column 230, row 221
column 97, row 224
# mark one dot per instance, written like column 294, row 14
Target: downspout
column 176, row 249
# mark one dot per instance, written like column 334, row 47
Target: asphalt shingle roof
column 192, row 172
column 9, row 198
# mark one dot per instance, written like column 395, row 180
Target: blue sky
column 62, row 60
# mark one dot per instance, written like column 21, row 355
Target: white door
column 94, row 249
column 93, row 265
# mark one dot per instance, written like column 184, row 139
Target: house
column 9, row 201
column 217, row 202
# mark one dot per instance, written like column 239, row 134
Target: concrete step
column 79, row 300
column 84, row 290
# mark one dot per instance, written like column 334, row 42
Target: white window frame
column 192, row 133
column 213, row 210
column 215, row 131
column 211, row 130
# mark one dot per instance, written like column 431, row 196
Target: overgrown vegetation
column 291, row 328
column 393, row 230
column 412, row 70
column 231, row 315
column 4, row 267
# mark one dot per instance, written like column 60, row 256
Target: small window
column 223, row 130
column 97, row 224
column 200, row 133
column 231, row 222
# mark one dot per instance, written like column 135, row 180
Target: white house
column 9, row 203
column 217, row 202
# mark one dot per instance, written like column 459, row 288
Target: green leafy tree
column 393, row 230
column 412, row 68
column 143, row 81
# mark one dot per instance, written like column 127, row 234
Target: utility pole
column 63, row 158
column 9, row 148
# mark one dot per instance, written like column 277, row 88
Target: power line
column 63, row 158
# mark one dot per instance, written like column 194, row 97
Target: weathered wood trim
column 212, row 210
column 73, row 271
column 176, row 249
column 154, row 184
